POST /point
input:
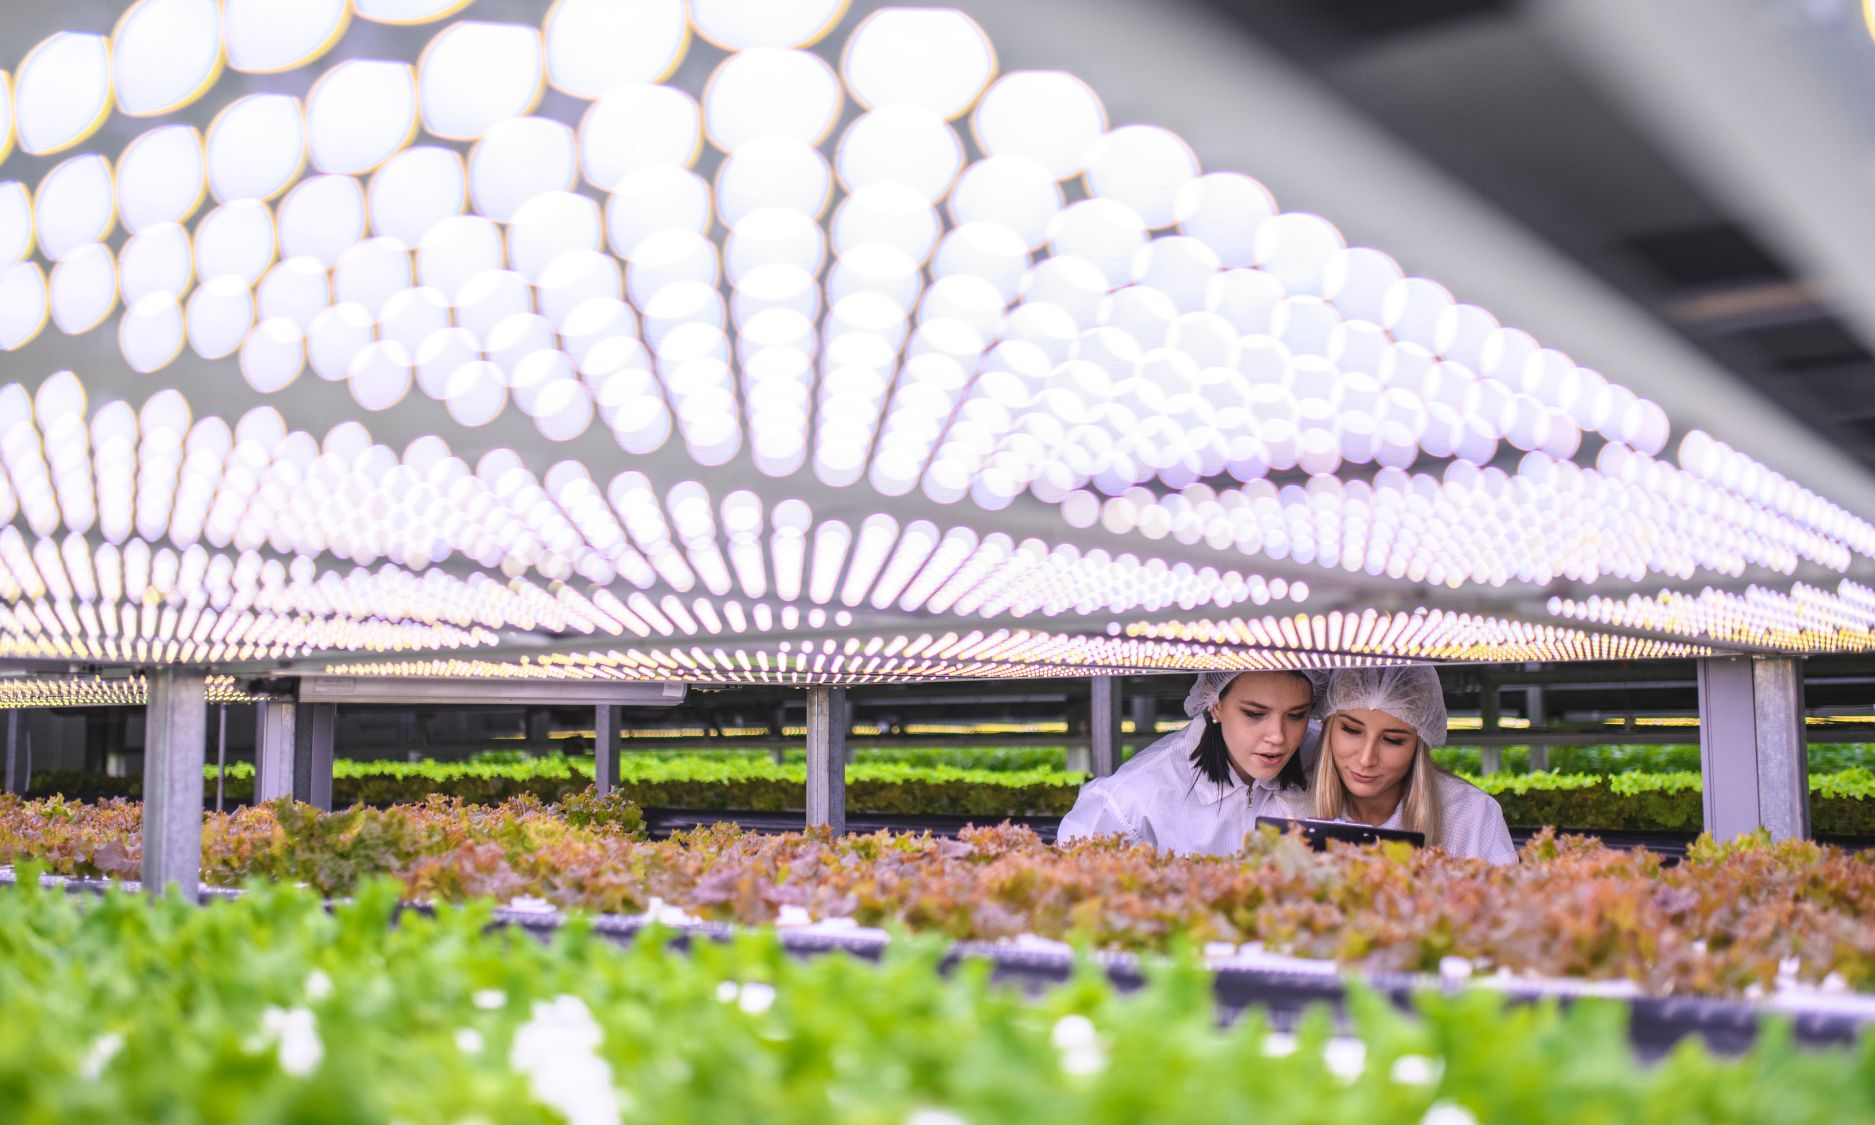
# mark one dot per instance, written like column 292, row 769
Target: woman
column 1200, row 789
column 1376, row 768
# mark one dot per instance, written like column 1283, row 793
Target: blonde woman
column 1379, row 726
column 1199, row 790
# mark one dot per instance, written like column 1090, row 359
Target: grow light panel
column 781, row 341
column 100, row 691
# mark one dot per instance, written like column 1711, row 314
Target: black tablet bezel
column 1319, row 832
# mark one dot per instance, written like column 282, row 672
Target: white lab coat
column 1161, row 798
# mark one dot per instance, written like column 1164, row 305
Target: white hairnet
column 1205, row 691
column 1410, row 693
column 1209, row 687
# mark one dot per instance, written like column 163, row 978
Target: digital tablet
column 1319, row 832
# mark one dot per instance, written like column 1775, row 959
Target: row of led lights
column 490, row 73
column 651, row 525
column 1420, row 634
column 465, row 62
column 46, row 630
column 468, row 28
column 1612, row 447
column 1805, row 619
column 1619, row 449
column 164, row 55
column 479, row 50
column 328, row 614
column 99, row 691
column 479, row 44
column 158, row 473
column 1550, row 519
column 1309, row 237
column 999, row 654
column 934, row 574
column 69, row 589
column 325, row 218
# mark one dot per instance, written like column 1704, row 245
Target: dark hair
column 1212, row 757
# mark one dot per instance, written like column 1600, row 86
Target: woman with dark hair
column 1200, row 789
column 1379, row 726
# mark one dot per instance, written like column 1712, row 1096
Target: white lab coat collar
column 1161, row 798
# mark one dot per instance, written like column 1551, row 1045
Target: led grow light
column 778, row 337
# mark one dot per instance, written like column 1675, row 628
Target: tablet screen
column 1319, row 832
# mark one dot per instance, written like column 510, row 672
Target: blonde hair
column 1420, row 808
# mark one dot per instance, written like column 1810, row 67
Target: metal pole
column 175, row 740
column 1491, row 758
column 1783, row 747
column 273, row 749
column 312, row 754
column 1534, row 711
column 1145, row 711
column 1104, row 726
column 1078, row 738
column 16, row 779
column 846, row 727
column 221, row 756
column 605, row 749
column 1754, row 759
column 826, row 758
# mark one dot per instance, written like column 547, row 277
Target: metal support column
column 175, row 750
column 826, row 757
column 312, row 753
column 1144, row 709
column 1104, row 726
column 1491, row 758
column 221, row 756
column 1753, row 756
column 846, row 728
column 1534, row 711
column 605, row 749
column 18, row 774
column 273, row 749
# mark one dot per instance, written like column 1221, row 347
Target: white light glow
column 742, row 25
column 359, row 114
column 256, row 147
column 265, row 36
column 165, row 54
column 16, row 222
column 1049, row 116
column 408, row 11
column 62, row 92
column 937, row 60
column 518, row 159
column 414, row 191
column 161, row 177
column 75, row 205
column 83, row 289
column 768, row 92
column 595, row 45
column 476, row 74
column 1072, row 328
